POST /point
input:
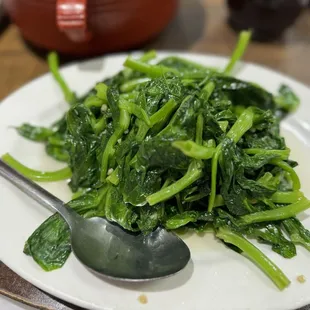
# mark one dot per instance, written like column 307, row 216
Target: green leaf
column 137, row 185
column 35, row 133
column 272, row 234
column 287, row 99
column 116, row 210
column 297, row 232
column 82, row 145
column 50, row 244
column 182, row 219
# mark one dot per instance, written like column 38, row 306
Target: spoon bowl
column 107, row 248
column 126, row 256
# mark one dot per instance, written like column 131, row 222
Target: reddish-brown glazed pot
column 89, row 27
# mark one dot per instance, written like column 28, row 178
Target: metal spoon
column 106, row 248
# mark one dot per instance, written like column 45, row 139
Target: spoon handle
column 36, row 192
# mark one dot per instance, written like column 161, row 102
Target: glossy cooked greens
column 177, row 144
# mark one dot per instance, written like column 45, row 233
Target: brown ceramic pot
column 89, row 27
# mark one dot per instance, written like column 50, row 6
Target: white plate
column 216, row 278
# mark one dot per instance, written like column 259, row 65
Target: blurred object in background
column 267, row 18
column 89, row 27
column 1, row 10
column 186, row 28
column 4, row 20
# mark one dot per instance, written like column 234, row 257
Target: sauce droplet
column 142, row 299
column 301, row 279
